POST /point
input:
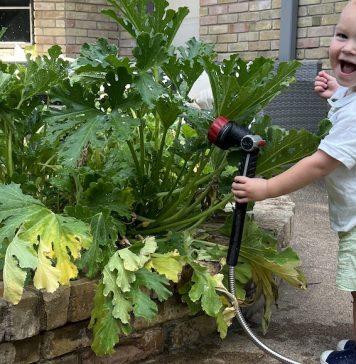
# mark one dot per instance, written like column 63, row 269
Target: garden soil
column 305, row 323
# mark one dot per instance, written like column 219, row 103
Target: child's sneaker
column 346, row 344
column 338, row 357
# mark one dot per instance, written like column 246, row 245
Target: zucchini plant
column 106, row 171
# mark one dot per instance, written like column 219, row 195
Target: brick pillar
column 49, row 26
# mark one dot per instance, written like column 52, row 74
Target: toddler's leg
column 354, row 313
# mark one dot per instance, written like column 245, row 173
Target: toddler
column 335, row 160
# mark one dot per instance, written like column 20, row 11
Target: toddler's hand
column 325, row 85
column 249, row 189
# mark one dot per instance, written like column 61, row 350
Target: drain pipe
column 288, row 31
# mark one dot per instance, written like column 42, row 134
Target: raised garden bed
column 53, row 328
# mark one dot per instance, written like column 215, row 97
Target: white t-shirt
column 340, row 144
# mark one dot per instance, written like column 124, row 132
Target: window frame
column 30, row 9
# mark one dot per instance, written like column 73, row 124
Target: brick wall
column 252, row 28
column 84, row 23
column 68, row 23
column 49, row 26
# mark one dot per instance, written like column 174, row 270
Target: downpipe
column 225, row 135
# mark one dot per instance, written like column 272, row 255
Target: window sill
column 6, row 45
column 11, row 59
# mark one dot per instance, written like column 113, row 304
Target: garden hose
column 232, row 298
column 225, row 135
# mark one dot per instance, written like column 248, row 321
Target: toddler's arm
column 301, row 174
column 325, row 85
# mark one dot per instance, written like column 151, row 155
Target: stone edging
column 52, row 328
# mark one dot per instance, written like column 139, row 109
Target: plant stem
column 210, row 244
column 142, row 146
column 9, row 151
column 157, row 165
column 176, row 182
column 135, row 159
column 190, row 187
column 187, row 188
column 184, row 224
column 188, row 209
column 171, row 159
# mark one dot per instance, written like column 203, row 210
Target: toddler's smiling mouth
column 347, row 67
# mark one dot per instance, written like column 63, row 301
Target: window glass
column 14, row 2
column 17, row 23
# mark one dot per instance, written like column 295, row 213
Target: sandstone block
column 65, row 340
column 137, row 346
column 82, row 292
column 7, row 353
column 185, row 332
column 27, row 351
column 20, row 321
column 67, row 359
column 276, row 215
column 173, row 309
column 55, row 308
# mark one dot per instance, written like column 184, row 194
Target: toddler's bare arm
column 301, row 174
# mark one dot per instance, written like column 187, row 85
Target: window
column 16, row 16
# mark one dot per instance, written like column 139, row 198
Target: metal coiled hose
column 232, row 297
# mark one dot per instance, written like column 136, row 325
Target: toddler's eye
column 341, row 35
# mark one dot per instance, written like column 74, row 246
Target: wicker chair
column 299, row 106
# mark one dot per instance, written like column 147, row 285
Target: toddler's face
column 342, row 51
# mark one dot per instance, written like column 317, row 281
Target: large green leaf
column 148, row 88
column 150, row 50
column 133, row 16
column 283, row 147
column 241, row 89
column 184, row 64
column 143, row 305
column 123, row 290
column 45, row 242
column 155, row 282
column 169, row 264
column 106, row 329
column 79, row 121
column 168, row 110
column 104, row 230
column 204, row 289
column 93, row 57
column 259, row 250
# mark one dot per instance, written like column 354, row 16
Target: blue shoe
column 346, row 344
column 338, row 357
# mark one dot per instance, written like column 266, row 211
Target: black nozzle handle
column 248, row 169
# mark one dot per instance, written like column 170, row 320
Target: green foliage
column 283, row 147
column 242, row 89
column 40, row 240
column 105, row 169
